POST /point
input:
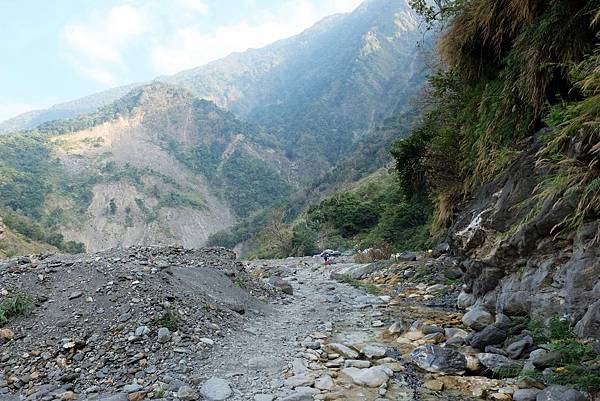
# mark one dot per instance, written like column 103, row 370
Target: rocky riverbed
column 267, row 330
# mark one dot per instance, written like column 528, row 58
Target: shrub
column 16, row 304
column 168, row 319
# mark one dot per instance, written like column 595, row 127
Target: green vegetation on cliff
column 508, row 68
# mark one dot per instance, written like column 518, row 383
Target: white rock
column 216, row 389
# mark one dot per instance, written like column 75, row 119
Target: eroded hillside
column 158, row 166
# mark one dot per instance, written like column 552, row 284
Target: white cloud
column 198, row 6
column 173, row 35
column 98, row 42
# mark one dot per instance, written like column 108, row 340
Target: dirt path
column 284, row 355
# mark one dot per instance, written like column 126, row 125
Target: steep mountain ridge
column 319, row 91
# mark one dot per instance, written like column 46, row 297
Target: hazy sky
column 58, row 50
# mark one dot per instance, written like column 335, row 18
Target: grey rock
column 491, row 335
column 433, row 358
column 465, row 300
column 283, row 286
column 477, row 319
column 141, row 331
column 344, row 350
column 373, row 351
column 216, row 389
column 526, row 394
column 164, row 335
column 494, row 350
column 132, row 388
column 546, row 359
column 370, row 377
column 515, row 349
column 431, row 329
column 186, row 393
column 495, row 363
column 407, row 256
column 560, row 393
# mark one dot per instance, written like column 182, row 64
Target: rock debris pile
column 137, row 320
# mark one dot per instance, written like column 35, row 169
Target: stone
column 526, row 394
column 283, row 286
column 75, row 294
column 465, row 300
column 398, row 327
column 299, row 381
column 433, row 338
column 373, row 351
column 137, row 396
column 515, row 349
column 490, row 335
column 434, row 385
column 495, row 363
column 432, row 289
column 371, row 377
column 356, row 363
column 542, row 360
column 6, row 334
column 132, row 388
column 142, row 331
column 207, row 341
column 431, row 329
column 186, row 393
column 477, row 319
column 406, row 256
column 324, row 383
column 436, row 359
column 560, row 393
column 164, row 335
column 529, row 382
column 216, row 389
column 344, row 350
column 451, row 332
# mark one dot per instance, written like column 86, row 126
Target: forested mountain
column 318, row 92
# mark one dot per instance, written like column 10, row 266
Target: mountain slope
column 157, row 166
column 318, row 91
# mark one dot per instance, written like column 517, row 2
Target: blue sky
column 59, row 50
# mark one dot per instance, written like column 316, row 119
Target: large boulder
column 560, row 393
column 491, row 335
column 436, row 359
column 477, row 319
column 498, row 363
column 371, row 377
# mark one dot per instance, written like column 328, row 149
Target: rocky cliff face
column 518, row 260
